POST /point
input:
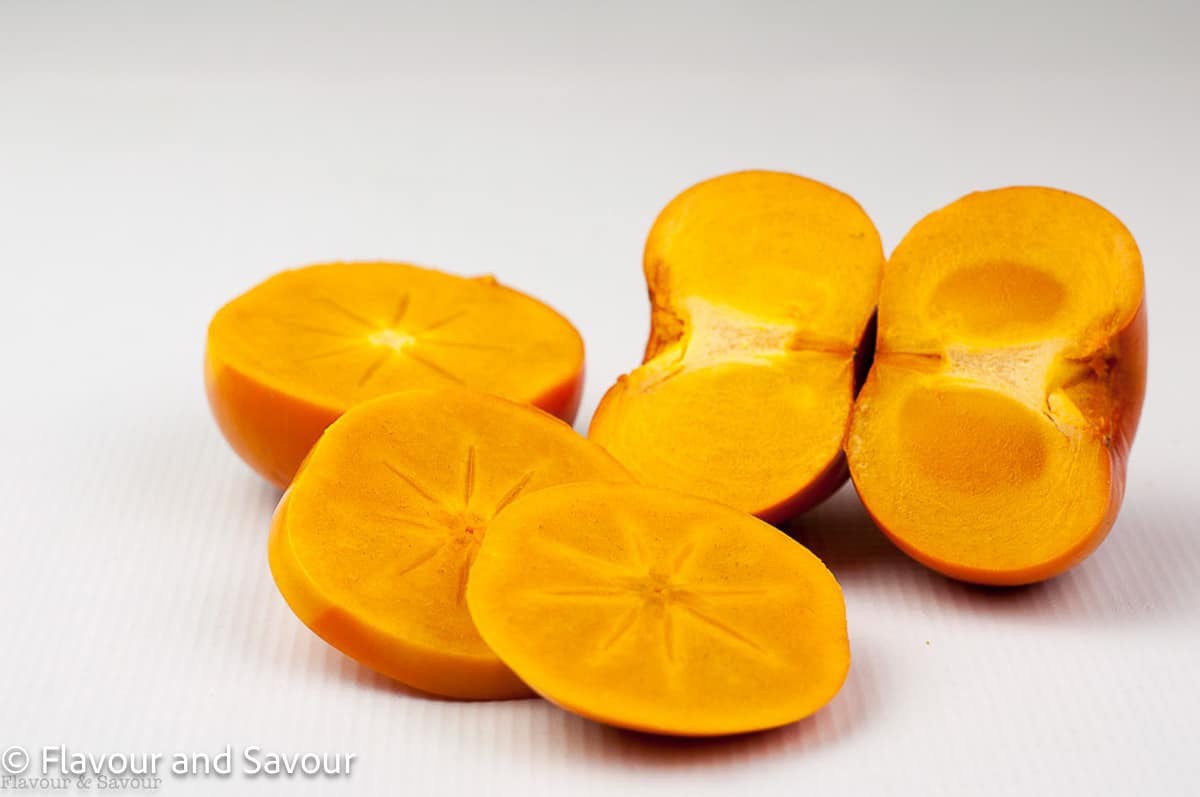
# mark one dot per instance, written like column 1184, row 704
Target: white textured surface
column 157, row 160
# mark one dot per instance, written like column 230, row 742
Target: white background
column 156, row 160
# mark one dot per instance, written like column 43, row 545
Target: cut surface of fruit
column 292, row 354
column 761, row 287
column 655, row 611
column 990, row 439
column 372, row 543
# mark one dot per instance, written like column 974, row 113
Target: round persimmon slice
column 648, row 609
column 292, row 354
column 372, row 543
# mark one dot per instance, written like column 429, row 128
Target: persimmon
column 652, row 610
column 991, row 436
column 292, row 354
column 762, row 285
column 372, row 543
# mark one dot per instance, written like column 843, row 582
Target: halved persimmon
column 292, row 354
column 657, row 611
column 372, row 543
column 991, row 437
column 761, row 286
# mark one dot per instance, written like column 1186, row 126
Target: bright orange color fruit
column 372, row 543
column 292, row 354
column 762, row 286
column 656, row 611
column 990, row 439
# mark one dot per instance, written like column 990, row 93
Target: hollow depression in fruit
column 656, row 611
column 761, row 287
column 292, row 354
column 990, row 439
column 372, row 544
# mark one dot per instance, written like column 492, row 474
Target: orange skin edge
column 377, row 651
column 1129, row 388
column 827, row 482
column 651, row 728
column 273, row 431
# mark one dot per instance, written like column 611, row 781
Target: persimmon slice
column 761, row 287
column 991, row 436
column 372, row 543
column 292, row 354
column 651, row 610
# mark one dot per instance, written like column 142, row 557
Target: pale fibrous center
column 391, row 338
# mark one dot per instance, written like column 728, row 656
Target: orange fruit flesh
column 655, row 611
column 990, row 437
column 761, row 285
column 290, row 355
column 372, row 544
